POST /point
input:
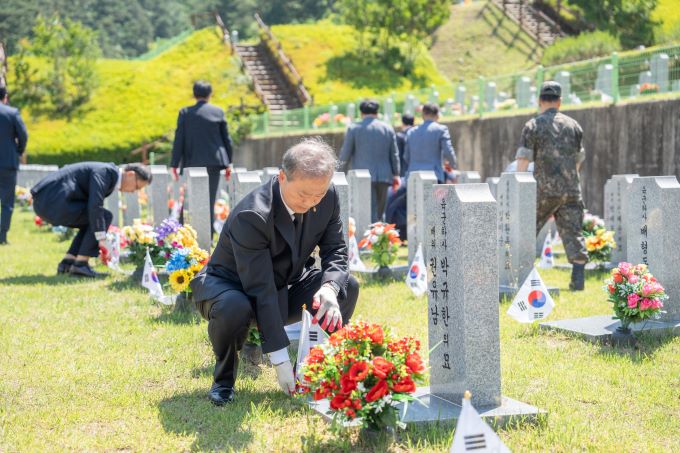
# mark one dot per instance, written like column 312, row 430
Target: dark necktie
column 298, row 232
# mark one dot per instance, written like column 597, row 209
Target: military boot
column 577, row 277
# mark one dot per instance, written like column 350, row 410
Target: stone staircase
column 275, row 89
column 534, row 22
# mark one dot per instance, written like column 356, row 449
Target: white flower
column 361, row 387
column 379, row 230
column 373, row 239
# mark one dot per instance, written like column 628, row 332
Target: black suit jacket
column 254, row 254
column 59, row 195
column 13, row 137
column 201, row 138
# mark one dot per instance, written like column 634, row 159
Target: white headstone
column 659, row 69
column 360, row 199
column 463, row 294
column 516, row 195
column 419, row 186
column 342, row 188
column 158, row 193
column 244, row 183
column 197, row 199
column 615, row 195
column 523, row 92
column 653, row 236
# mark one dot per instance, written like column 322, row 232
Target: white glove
column 326, row 302
column 285, row 376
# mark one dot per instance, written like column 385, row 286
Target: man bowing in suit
column 74, row 197
column 262, row 267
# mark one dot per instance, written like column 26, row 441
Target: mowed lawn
column 94, row 365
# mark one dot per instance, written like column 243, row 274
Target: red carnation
column 358, row 371
column 340, row 401
column 315, row 356
column 618, row 278
column 347, row 383
column 320, row 394
column 382, row 368
column 376, row 333
column 378, row 391
column 406, row 385
column 415, row 363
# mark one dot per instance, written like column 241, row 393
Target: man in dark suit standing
column 13, row 138
column 262, row 269
column 407, row 122
column 202, row 140
column 372, row 145
column 74, row 197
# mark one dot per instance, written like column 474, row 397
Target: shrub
column 581, row 47
column 137, row 102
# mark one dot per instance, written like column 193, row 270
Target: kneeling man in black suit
column 262, row 266
column 74, row 197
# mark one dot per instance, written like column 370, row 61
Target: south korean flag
column 532, row 302
column 546, row 261
column 310, row 335
column 355, row 263
column 473, row 434
column 416, row 278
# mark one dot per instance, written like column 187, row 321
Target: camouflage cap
column 551, row 88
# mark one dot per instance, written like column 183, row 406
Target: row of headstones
column 657, row 74
column 30, row 174
column 465, row 230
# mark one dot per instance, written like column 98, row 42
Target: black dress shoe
column 85, row 271
column 64, row 267
column 220, row 395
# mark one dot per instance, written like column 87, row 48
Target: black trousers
column 213, row 186
column 72, row 214
column 85, row 243
column 8, row 182
column 229, row 317
column 378, row 200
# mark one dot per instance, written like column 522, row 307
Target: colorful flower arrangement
column 140, row 236
column 221, row 212
column 383, row 241
column 634, row 293
column 649, row 88
column 22, row 197
column 184, row 263
column 364, row 370
column 599, row 241
column 325, row 120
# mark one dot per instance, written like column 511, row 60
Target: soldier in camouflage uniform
column 553, row 141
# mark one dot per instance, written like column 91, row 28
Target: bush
column 581, row 47
column 137, row 102
column 328, row 58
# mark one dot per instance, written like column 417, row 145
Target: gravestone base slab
column 431, row 409
column 398, row 272
column 601, row 328
column 510, row 291
column 589, row 266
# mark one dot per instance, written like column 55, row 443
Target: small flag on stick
column 533, row 301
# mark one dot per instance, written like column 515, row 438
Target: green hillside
column 137, row 102
column 325, row 54
column 479, row 40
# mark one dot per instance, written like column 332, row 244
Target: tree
column 630, row 20
column 55, row 71
column 390, row 22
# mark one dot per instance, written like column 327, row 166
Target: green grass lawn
column 94, row 365
column 478, row 40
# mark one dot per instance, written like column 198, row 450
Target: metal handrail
column 286, row 63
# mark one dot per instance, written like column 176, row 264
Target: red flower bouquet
column 364, row 370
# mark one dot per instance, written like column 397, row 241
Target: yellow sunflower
column 179, row 280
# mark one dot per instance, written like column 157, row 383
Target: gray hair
column 312, row 158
